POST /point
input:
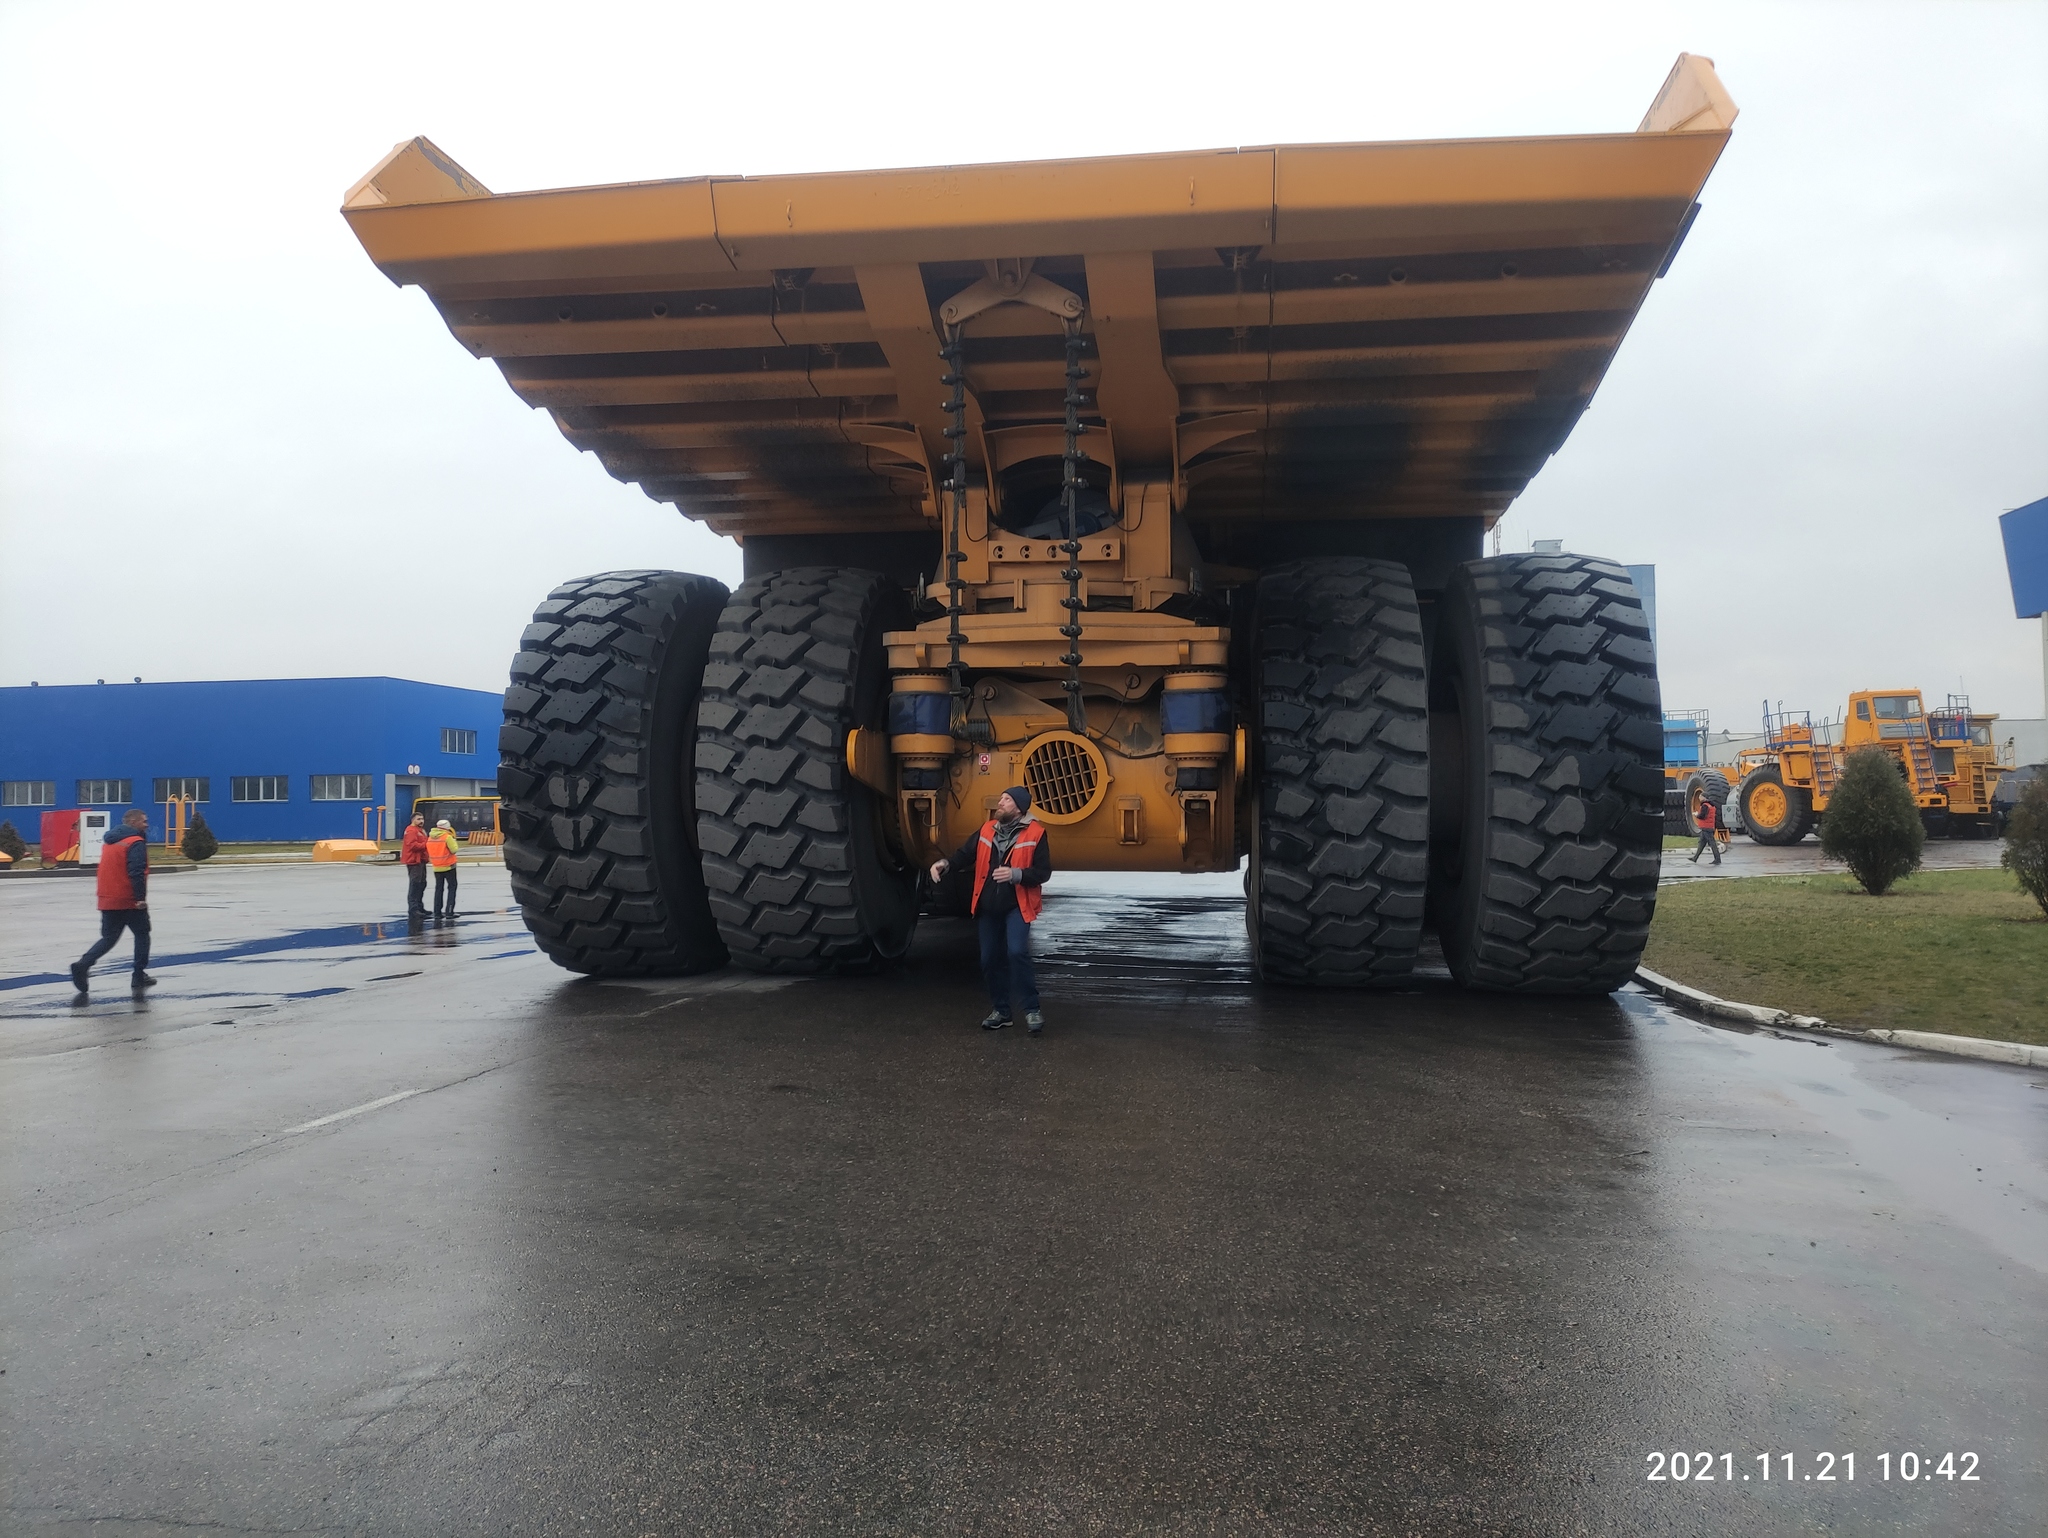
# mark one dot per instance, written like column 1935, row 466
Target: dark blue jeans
column 112, row 922
column 1006, row 960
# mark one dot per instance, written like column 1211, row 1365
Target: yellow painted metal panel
column 1420, row 323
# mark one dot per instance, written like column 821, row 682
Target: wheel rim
column 1767, row 807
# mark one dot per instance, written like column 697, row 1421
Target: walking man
column 1708, row 820
column 124, row 899
column 412, row 854
column 1011, row 862
column 442, row 851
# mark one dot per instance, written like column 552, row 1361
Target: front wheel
column 1544, row 698
column 1772, row 811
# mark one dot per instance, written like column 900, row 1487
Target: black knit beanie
column 1021, row 796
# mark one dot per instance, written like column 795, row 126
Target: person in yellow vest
column 1011, row 861
column 442, row 850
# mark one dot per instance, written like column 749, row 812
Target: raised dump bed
column 1084, row 475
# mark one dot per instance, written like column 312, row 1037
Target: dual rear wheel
column 676, row 791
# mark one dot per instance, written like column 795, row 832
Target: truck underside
column 1156, row 484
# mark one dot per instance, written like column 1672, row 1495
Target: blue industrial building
column 267, row 759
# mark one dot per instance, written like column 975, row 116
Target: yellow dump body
column 1300, row 333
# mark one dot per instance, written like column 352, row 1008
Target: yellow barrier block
column 343, row 848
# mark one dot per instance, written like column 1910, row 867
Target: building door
column 408, row 792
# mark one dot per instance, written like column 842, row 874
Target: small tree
column 1871, row 824
column 199, row 842
column 10, row 841
column 2026, row 841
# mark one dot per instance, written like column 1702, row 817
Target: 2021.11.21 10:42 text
column 1819, row 1468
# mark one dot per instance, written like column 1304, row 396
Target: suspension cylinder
column 920, row 731
column 1195, row 717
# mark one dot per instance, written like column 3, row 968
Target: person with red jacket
column 1011, row 861
column 412, row 854
column 124, row 899
column 1708, row 821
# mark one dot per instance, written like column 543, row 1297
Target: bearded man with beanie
column 1011, row 861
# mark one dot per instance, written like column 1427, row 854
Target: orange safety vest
column 1029, row 898
column 442, row 849
column 116, row 889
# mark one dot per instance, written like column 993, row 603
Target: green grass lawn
column 1959, row 951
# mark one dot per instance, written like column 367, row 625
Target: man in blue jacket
column 124, row 899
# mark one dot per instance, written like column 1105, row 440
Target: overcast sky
column 229, row 448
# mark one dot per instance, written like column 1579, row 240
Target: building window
column 105, row 792
column 186, row 787
column 341, row 787
column 28, row 793
column 455, row 739
column 259, row 787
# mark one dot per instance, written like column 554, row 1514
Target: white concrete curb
column 2018, row 1053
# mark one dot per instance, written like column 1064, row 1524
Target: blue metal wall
column 2025, row 530
column 298, row 727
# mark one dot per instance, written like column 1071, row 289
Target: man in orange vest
column 1708, row 821
column 1011, row 861
column 124, row 899
column 442, row 851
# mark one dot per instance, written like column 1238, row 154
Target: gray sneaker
column 1034, row 1021
column 994, row 1020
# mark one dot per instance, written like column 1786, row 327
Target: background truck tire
column 1709, row 785
column 802, row 875
column 596, row 777
column 1772, row 811
column 1546, row 879
column 1677, row 824
column 1340, row 859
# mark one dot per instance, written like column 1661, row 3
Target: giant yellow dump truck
column 1157, row 484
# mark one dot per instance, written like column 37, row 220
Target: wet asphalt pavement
column 351, row 1230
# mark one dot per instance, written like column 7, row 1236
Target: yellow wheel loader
column 1157, row 484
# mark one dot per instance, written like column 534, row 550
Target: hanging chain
column 1077, row 715
column 955, row 378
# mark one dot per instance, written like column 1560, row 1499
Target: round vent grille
column 1066, row 777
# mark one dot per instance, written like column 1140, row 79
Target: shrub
column 2026, row 841
column 1872, row 825
column 199, row 842
column 11, row 842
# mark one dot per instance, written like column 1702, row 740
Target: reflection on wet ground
column 398, row 1241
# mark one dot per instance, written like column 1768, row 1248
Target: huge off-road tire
column 1545, row 879
column 596, row 777
column 804, row 877
column 1340, row 859
column 1772, row 811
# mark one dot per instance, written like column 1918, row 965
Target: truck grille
column 1065, row 775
